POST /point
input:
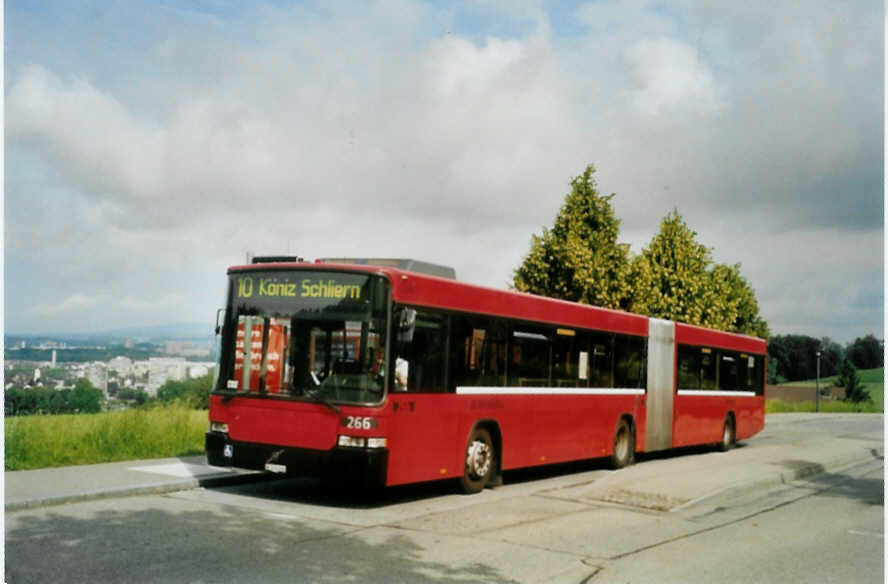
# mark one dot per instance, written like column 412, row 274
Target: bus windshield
column 317, row 335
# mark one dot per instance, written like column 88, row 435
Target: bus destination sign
column 281, row 287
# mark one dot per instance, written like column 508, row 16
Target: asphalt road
column 542, row 526
column 829, row 528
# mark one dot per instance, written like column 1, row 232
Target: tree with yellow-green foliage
column 740, row 312
column 675, row 278
column 670, row 276
column 579, row 259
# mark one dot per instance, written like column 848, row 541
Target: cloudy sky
column 150, row 145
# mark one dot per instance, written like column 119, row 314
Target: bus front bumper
column 351, row 467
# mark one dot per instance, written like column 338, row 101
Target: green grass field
column 873, row 379
column 63, row 440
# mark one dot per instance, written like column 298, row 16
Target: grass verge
column 64, row 440
column 873, row 380
column 778, row 406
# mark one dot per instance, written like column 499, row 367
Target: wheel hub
column 478, row 459
column 622, row 446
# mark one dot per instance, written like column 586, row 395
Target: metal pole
column 817, row 397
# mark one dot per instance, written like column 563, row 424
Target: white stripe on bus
column 546, row 391
column 715, row 393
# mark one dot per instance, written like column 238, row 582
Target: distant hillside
column 165, row 332
column 80, row 355
column 154, row 333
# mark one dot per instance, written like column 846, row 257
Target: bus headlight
column 219, row 427
column 361, row 442
column 377, row 442
column 352, row 441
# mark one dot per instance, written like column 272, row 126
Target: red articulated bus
column 387, row 372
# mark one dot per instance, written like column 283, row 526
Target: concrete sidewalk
column 658, row 482
column 774, row 457
column 54, row 486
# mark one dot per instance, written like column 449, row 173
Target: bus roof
column 417, row 289
column 432, row 291
column 688, row 334
column 406, row 264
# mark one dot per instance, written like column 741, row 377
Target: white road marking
column 868, row 533
column 178, row 469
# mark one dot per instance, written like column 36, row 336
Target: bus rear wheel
column 480, row 462
column 729, row 435
column 624, row 445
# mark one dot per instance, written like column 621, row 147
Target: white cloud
column 151, row 304
column 75, row 303
column 457, row 68
column 95, row 141
column 669, row 77
column 385, row 130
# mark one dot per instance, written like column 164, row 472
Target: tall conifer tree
column 675, row 278
column 579, row 259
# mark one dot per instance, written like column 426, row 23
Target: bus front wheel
column 624, row 445
column 480, row 462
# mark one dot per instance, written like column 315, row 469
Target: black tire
column 480, row 462
column 624, row 445
column 729, row 435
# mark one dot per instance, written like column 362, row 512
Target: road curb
column 771, row 481
column 157, row 489
column 768, row 481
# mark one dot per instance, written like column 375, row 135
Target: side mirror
column 406, row 319
column 220, row 315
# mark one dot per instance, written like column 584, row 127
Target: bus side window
column 751, row 373
column 601, row 360
column 493, row 355
column 477, row 352
column 419, row 363
column 464, row 357
column 629, row 361
column 529, row 357
column 708, row 369
column 728, row 371
column 571, row 359
column 688, row 367
column 758, row 383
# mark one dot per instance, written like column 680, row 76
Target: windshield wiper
column 227, row 396
column 318, row 399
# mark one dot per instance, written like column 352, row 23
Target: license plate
column 278, row 468
column 228, row 451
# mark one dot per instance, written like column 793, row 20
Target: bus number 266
column 359, row 422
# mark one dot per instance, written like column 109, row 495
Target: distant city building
column 196, row 371
column 163, row 369
column 53, row 357
column 123, row 365
column 50, row 345
column 97, row 375
column 186, row 348
column 140, row 369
